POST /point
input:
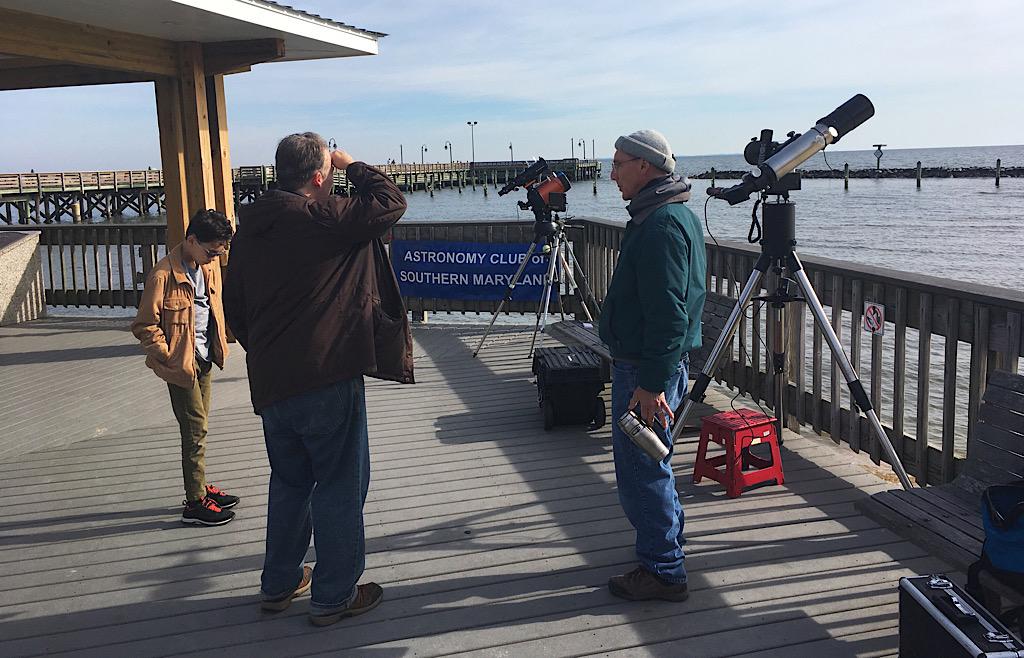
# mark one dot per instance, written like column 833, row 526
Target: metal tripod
column 779, row 253
column 561, row 260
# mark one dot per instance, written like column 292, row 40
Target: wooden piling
column 713, row 173
column 846, row 176
column 999, row 170
column 918, row 173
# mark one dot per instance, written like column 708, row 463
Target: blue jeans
column 319, row 473
column 647, row 488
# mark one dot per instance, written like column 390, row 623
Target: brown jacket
column 309, row 294
column 165, row 323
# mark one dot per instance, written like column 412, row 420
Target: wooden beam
column 31, row 35
column 223, row 187
column 235, row 56
column 172, row 157
column 23, row 62
column 196, row 127
column 65, row 75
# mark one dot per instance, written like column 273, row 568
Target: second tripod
column 778, row 252
column 549, row 238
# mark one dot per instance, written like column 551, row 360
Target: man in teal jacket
column 650, row 322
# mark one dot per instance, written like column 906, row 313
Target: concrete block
column 22, row 296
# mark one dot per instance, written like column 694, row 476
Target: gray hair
column 298, row 157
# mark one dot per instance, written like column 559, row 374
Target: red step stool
column 737, row 431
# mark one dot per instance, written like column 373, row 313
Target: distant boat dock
column 917, row 172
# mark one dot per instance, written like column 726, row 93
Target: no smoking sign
column 874, row 318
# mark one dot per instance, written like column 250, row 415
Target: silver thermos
column 642, row 435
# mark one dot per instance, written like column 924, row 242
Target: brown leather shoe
column 642, row 585
column 368, row 597
column 279, row 603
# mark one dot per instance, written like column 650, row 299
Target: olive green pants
column 192, row 409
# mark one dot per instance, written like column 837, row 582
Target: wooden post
column 712, row 177
column 846, row 176
column 919, row 174
column 195, row 123
column 223, row 187
column 999, row 170
column 172, row 157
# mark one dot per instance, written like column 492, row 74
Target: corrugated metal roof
column 298, row 13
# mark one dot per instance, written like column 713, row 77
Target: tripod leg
column 852, row 380
column 545, row 295
column 777, row 318
column 704, row 378
column 587, row 295
column 567, row 270
column 508, row 296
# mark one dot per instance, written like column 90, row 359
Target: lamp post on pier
column 511, row 153
column 572, row 148
column 472, row 140
column 401, row 154
column 423, row 149
column 583, row 143
column 451, row 152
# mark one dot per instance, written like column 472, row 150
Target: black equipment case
column 940, row 620
column 569, row 385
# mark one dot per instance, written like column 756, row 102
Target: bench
column 716, row 311
column 946, row 519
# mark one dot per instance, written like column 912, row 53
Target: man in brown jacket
column 180, row 324
column 312, row 298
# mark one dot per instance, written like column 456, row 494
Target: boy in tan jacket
column 180, row 324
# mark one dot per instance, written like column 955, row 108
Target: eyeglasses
column 616, row 165
column 215, row 253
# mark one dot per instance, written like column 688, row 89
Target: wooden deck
column 488, row 534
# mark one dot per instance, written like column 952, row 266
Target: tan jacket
column 165, row 323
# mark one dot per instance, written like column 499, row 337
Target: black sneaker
column 205, row 512
column 642, row 585
column 223, row 500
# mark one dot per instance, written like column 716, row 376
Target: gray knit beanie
column 649, row 145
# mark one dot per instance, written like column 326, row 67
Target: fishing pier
column 76, row 196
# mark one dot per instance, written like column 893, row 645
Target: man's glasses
column 616, row 165
column 216, row 253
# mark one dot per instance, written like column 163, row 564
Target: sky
column 544, row 76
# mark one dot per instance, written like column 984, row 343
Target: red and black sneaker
column 205, row 512
column 223, row 500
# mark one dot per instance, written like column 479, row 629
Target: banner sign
column 466, row 270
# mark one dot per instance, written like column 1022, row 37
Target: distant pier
column 911, row 172
column 31, row 198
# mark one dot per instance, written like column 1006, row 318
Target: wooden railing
column 79, row 181
column 926, row 375
column 97, row 265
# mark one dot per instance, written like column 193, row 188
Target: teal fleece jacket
column 652, row 313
